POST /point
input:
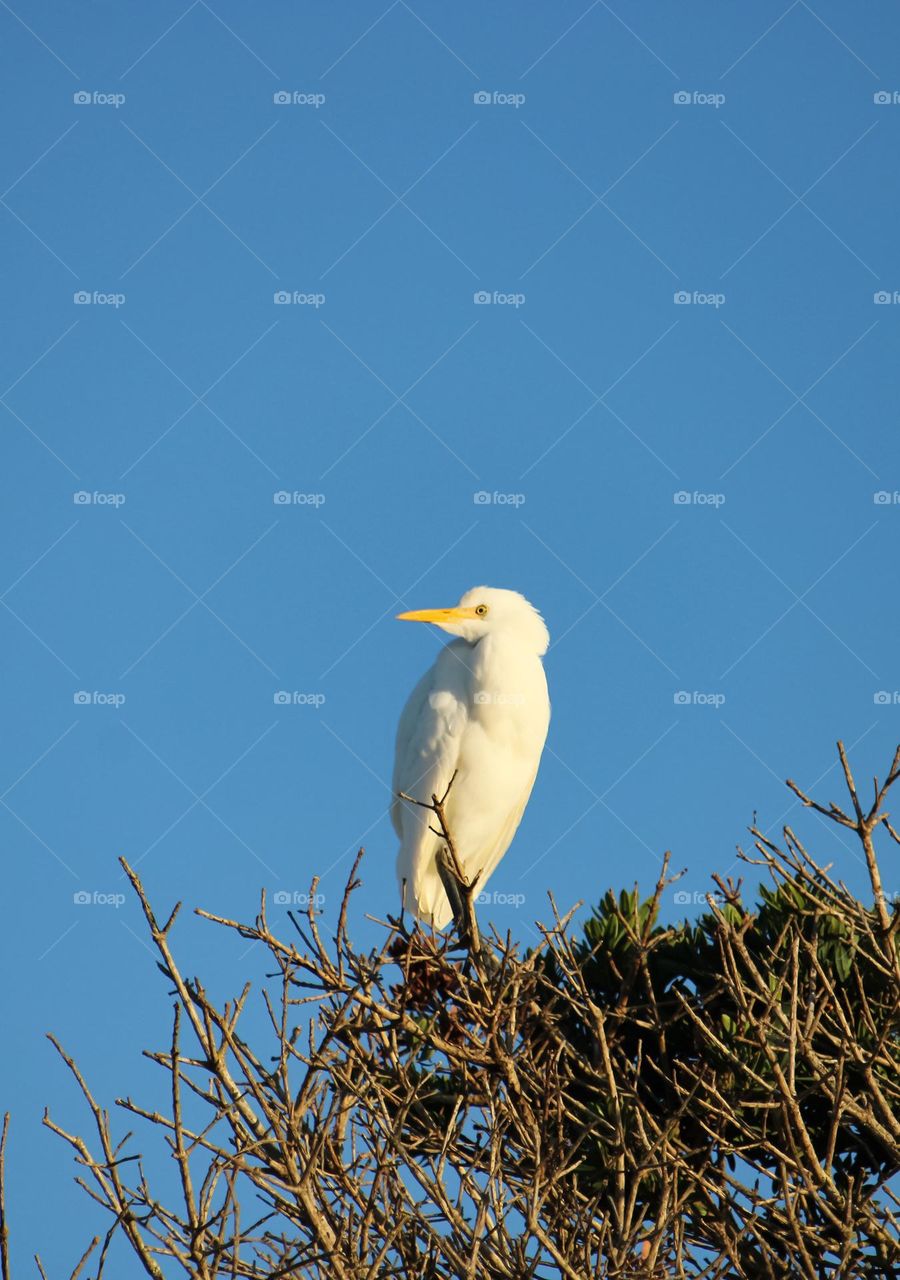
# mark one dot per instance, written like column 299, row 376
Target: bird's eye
column 481, row 610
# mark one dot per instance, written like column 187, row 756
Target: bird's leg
column 460, row 893
column 447, row 872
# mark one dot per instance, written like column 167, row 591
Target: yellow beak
column 437, row 615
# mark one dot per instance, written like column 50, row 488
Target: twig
column 4, row 1225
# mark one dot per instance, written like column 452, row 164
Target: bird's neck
column 498, row 660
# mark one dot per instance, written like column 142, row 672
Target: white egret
column 481, row 712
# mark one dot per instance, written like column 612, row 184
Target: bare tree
column 715, row 1099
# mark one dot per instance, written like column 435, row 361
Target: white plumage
column 481, row 711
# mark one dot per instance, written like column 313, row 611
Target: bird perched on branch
column 477, row 719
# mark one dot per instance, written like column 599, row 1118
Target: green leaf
column 843, row 962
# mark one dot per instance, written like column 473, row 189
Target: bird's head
column 489, row 611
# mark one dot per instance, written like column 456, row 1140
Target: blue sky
column 672, row 425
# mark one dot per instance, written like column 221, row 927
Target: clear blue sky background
column 593, row 396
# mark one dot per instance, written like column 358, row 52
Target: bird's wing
column 428, row 751
column 428, row 738
column 410, row 717
column 504, row 836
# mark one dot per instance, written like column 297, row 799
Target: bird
column 478, row 719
